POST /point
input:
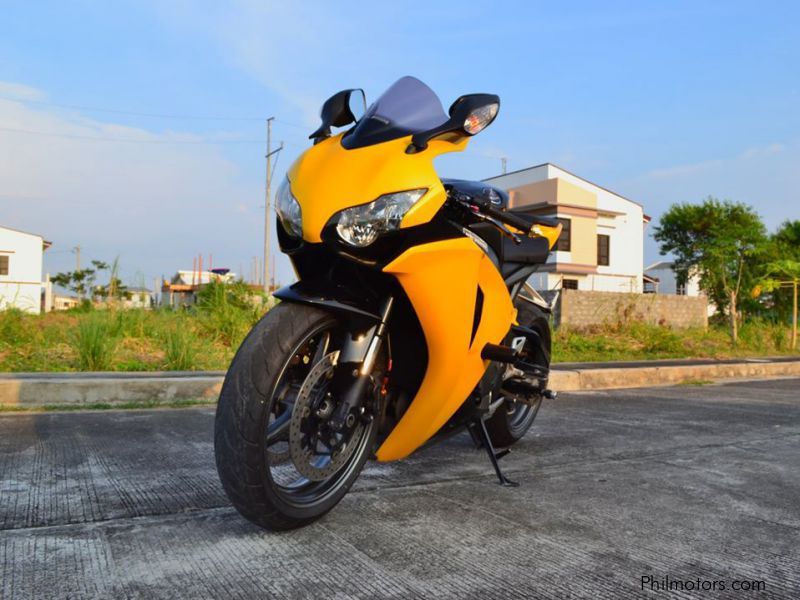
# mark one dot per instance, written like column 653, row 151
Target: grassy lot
column 637, row 341
column 207, row 337
column 204, row 337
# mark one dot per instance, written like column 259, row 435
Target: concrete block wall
column 580, row 309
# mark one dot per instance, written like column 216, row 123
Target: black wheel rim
column 520, row 414
column 292, row 487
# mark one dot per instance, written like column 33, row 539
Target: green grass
column 180, row 349
column 639, row 341
column 95, row 342
column 202, row 338
column 205, row 338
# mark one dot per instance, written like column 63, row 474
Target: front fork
column 356, row 361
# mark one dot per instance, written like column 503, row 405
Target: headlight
column 361, row 225
column 288, row 210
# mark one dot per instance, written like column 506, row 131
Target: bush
column 228, row 310
column 180, row 353
column 14, row 327
column 94, row 342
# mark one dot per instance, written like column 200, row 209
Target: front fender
column 332, row 299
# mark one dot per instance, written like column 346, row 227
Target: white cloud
column 19, row 91
column 766, row 177
column 156, row 203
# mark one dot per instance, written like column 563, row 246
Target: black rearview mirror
column 341, row 109
column 357, row 103
column 469, row 115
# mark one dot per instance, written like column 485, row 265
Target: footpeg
column 498, row 353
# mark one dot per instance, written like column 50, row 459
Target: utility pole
column 264, row 271
column 266, row 205
column 77, row 250
column 503, row 163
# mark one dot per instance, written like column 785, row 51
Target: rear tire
column 250, row 405
column 512, row 420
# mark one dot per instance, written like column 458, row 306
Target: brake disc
column 308, row 459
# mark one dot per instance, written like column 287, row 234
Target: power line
column 199, row 142
column 130, row 112
column 167, row 116
column 295, row 125
column 127, row 140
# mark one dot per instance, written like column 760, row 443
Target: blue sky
column 662, row 102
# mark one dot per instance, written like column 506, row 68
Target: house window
column 564, row 243
column 603, row 247
column 3, row 264
column 569, row 284
column 680, row 289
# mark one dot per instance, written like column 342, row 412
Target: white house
column 138, row 297
column 601, row 247
column 664, row 280
column 181, row 290
column 21, row 257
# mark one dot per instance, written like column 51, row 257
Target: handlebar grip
column 509, row 218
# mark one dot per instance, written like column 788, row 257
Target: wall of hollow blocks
column 579, row 309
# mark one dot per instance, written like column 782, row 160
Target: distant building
column 137, row 297
column 601, row 247
column 62, row 302
column 661, row 278
column 21, row 256
column 182, row 289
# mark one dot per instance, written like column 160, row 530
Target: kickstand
column 477, row 430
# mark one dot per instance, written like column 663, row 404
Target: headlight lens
column 361, row 225
column 288, row 210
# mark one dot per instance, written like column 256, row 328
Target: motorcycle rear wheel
column 512, row 420
column 253, row 419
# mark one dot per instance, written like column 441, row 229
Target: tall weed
column 180, row 352
column 95, row 342
column 228, row 311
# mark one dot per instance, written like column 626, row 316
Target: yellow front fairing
column 328, row 178
column 442, row 280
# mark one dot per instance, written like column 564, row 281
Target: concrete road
column 700, row 485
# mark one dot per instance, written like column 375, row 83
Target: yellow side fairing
column 442, row 280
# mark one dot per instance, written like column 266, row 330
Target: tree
column 719, row 240
column 114, row 289
column 784, row 245
column 784, row 273
column 787, row 239
column 80, row 281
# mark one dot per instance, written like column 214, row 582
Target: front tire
column 251, row 442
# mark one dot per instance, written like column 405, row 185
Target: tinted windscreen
column 407, row 107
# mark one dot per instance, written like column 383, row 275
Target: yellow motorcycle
column 411, row 319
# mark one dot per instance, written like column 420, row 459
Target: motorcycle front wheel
column 280, row 466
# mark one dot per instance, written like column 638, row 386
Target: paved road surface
column 684, row 482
